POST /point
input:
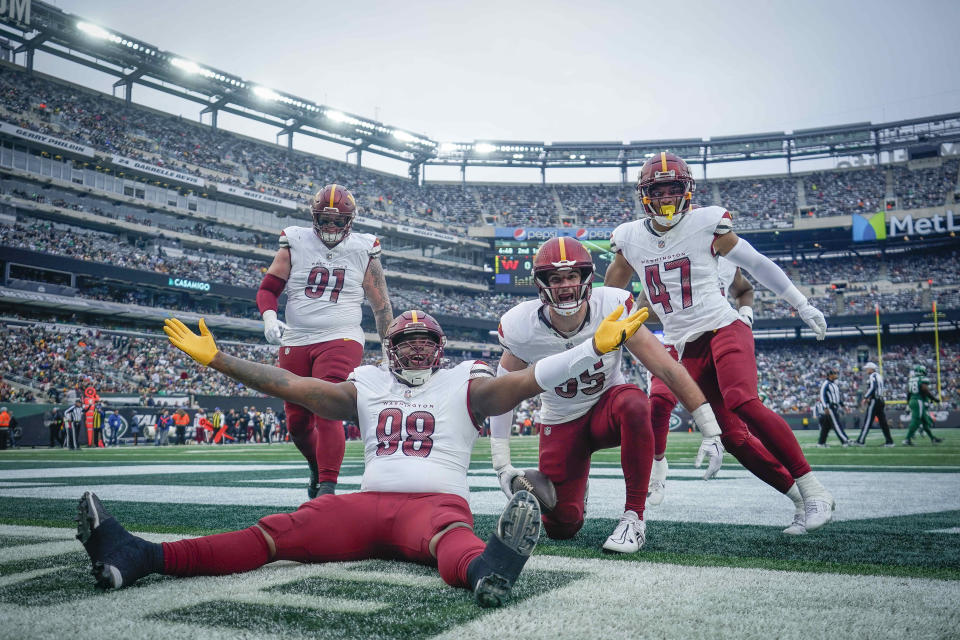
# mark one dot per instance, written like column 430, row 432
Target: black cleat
column 324, row 488
column 493, row 572
column 118, row 557
column 936, row 440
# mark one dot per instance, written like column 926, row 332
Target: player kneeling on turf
column 419, row 424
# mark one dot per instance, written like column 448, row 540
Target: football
column 539, row 485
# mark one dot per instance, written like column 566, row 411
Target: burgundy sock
column 216, row 555
column 456, row 549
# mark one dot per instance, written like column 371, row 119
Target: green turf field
column 715, row 563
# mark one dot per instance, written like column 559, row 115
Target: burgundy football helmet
column 415, row 344
column 563, row 254
column 666, row 169
column 333, row 211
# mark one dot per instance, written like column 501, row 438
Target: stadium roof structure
column 39, row 26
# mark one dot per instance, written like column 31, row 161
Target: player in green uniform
column 918, row 395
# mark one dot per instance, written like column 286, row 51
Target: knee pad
column 563, row 522
column 276, row 525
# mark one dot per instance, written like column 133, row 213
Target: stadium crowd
column 106, row 123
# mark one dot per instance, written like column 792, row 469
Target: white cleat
column 819, row 511
column 656, row 493
column 799, row 525
column 629, row 536
column 658, row 483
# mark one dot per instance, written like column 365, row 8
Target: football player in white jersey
column 594, row 409
column 326, row 271
column 675, row 250
column 733, row 284
column 419, row 424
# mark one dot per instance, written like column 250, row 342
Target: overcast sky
column 562, row 71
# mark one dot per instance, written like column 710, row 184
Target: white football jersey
column 727, row 272
column 325, row 288
column 679, row 272
column 417, row 439
column 526, row 332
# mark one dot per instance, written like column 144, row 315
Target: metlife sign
column 16, row 10
column 877, row 227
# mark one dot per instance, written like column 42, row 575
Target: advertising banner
column 45, row 140
column 160, row 172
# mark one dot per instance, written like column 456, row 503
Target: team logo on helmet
column 415, row 344
column 333, row 210
column 563, row 255
column 668, row 171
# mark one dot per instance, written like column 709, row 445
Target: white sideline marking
column 15, row 578
column 736, row 498
column 950, row 530
column 139, row 470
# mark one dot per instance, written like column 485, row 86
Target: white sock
column 794, row 494
column 659, row 471
column 810, row 487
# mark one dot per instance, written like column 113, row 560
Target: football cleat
column 656, row 492
column 324, row 488
column 629, row 536
column 118, row 558
column 658, row 483
column 494, row 571
column 889, row 444
column 936, row 440
column 822, row 446
column 908, row 442
column 799, row 525
column 819, row 511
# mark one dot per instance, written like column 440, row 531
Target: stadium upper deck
column 109, row 125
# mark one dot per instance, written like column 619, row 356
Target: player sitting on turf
column 419, row 424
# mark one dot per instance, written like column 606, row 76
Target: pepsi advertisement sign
column 542, row 234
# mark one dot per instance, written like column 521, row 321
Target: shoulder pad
column 284, row 241
column 376, row 249
column 352, row 376
column 725, row 225
column 482, row 369
column 613, row 239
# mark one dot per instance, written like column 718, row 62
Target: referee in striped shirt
column 831, row 401
column 873, row 399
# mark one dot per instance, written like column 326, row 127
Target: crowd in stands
column 836, row 193
column 927, row 187
column 755, row 202
column 597, row 205
column 109, row 125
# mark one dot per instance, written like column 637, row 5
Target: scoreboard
column 513, row 264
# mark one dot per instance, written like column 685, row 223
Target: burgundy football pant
column 321, row 441
column 336, row 528
column 620, row 418
column 723, row 364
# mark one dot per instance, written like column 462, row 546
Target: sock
column 659, row 471
column 216, row 555
column 794, row 494
column 456, row 551
column 810, row 487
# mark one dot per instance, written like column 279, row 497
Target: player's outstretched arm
column 494, row 396
column 741, row 253
column 618, row 273
column 500, row 427
column 328, row 400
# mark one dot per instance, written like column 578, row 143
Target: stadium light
column 448, row 147
column 192, row 67
column 518, row 156
column 403, row 136
column 94, row 31
column 265, row 93
column 484, row 147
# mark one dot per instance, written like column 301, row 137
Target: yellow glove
column 201, row 347
column 613, row 332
